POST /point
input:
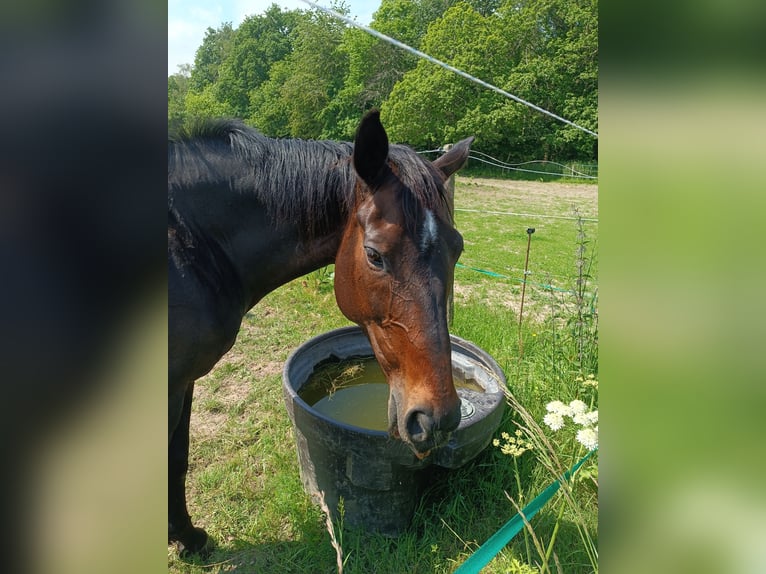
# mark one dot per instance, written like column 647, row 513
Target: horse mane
column 306, row 182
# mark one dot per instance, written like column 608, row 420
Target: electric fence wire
column 506, row 165
column 512, row 166
column 457, row 71
column 536, row 215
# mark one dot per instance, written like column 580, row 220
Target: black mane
column 309, row 183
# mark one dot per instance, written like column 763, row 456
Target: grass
column 244, row 486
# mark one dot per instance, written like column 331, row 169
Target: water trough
column 378, row 478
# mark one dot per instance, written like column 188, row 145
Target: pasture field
column 244, row 486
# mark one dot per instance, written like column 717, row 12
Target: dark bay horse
column 247, row 214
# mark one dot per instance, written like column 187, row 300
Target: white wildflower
column 586, row 419
column 559, row 408
column 588, row 437
column 554, row 420
column 577, row 407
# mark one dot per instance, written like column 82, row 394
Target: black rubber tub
column 378, row 478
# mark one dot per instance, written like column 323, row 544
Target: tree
column 300, row 87
column 215, row 47
column 559, row 72
column 205, row 104
column 178, row 86
column 427, row 103
column 258, row 43
column 304, row 74
column 268, row 112
column 544, row 51
column 376, row 66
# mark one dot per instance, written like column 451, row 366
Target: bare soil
column 547, row 197
column 550, row 189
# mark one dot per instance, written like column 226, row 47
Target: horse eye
column 375, row 258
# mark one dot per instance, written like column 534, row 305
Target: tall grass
column 559, row 362
column 244, row 486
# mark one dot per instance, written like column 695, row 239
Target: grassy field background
column 244, row 486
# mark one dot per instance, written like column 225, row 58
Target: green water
column 355, row 391
column 364, row 405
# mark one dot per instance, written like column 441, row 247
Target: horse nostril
column 419, row 426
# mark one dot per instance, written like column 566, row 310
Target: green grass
column 244, row 486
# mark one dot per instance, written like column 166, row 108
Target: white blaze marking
column 429, row 231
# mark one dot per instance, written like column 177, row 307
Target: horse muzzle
column 422, row 427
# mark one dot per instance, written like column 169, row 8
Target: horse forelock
column 424, row 191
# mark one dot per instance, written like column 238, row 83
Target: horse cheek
column 346, row 287
column 343, row 294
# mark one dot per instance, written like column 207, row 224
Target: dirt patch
column 537, row 303
column 561, row 190
column 553, row 198
column 229, row 385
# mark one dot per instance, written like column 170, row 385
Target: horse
column 247, row 214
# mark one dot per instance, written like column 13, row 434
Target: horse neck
column 295, row 243
column 267, row 254
column 282, row 257
column 253, row 214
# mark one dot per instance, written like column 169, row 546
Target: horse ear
column 370, row 147
column 455, row 158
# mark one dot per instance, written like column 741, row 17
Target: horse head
column 392, row 273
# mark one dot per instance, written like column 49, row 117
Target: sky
column 188, row 20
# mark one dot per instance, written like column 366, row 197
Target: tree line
column 304, row 74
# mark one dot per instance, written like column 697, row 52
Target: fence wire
column 457, row 71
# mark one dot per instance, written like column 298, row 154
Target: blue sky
column 188, row 20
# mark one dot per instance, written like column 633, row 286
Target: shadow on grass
column 289, row 556
column 457, row 512
column 427, row 546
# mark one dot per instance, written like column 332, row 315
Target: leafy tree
column 558, row 72
column 258, row 43
column 304, row 74
column 544, row 51
column 193, row 91
column 485, row 7
column 425, row 105
column 376, row 66
column 205, row 104
column 215, row 47
column 269, row 114
column 300, row 87
column 178, row 86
